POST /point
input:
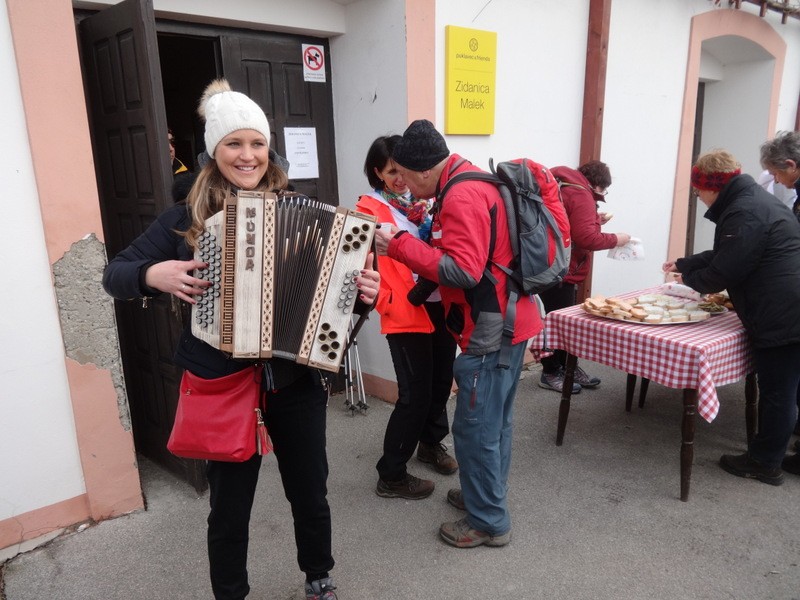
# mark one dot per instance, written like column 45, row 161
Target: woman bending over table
column 756, row 257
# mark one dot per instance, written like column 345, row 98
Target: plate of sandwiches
column 648, row 309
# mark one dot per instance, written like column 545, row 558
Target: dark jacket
column 124, row 279
column 756, row 257
column 580, row 202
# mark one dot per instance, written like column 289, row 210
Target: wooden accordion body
column 283, row 272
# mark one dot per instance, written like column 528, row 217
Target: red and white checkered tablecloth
column 699, row 356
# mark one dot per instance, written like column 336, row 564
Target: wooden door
column 122, row 79
column 269, row 68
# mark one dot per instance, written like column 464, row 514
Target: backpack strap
column 512, row 286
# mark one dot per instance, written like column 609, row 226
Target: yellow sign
column 470, row 72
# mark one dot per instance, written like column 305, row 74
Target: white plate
column 648, row 324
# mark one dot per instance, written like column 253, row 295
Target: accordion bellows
column 283, row 273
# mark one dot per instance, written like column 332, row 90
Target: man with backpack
column 470, row 242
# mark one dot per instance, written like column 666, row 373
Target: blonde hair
column 717, row 161
column 210, row 190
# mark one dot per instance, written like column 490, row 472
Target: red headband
column 712, row 182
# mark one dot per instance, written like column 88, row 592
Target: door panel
column 269, row 68
column 122, row 79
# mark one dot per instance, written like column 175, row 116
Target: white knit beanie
column 226, row 111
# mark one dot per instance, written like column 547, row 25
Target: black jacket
column 756, row 257
column 124, row 279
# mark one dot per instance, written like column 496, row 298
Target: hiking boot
column 790, row 464
column 437, row 456
column 461, row 535
column 320, row 589
column 409, row 487
column 583, row 379
column 742, row 465
column 555, row 381
column 455, row 498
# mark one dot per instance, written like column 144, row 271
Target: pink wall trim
column 421, row 59
column 705, row 26
column 107, row 452
column 58, row 128
column 58, row 132
column 37, row 523
column 380, row 388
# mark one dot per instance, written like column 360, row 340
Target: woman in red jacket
column 581, row 190
column 422, row 349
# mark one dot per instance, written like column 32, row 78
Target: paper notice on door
column 301, row 152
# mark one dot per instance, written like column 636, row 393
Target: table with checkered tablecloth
column 694, row 356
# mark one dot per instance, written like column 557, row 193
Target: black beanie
column 421, row 148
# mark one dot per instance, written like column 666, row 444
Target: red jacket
column 475, row 305
column 580, row 203
column 398, row 315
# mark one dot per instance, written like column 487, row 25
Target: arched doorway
column 731, row 99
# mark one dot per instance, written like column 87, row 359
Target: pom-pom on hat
column 421, row 148
column 226, row 111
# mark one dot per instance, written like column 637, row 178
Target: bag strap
column 513, row 287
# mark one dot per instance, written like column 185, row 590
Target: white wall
column 39, row 462
column 369, row 99
column 541, row 54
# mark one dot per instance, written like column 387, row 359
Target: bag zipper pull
column 263, row 444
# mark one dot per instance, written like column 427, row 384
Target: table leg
column 630, row 385
column 751, row 406
column 566, row 394
column 643, row 391
column 687, row 440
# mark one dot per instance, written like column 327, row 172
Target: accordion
column 282, row 272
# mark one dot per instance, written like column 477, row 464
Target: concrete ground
column 597, row 518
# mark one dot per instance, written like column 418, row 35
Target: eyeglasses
column 171, row 140
column 600, row 191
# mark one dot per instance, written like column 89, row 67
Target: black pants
column 423, row 364
column 778, row 397
column 560, row 296
column 295, row 419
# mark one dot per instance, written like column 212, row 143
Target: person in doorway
column 581, row 191
column 756, row 257
column 177, row 165
column 469, row 239
column 161, row 261
column 781, row 157
column 422, row 349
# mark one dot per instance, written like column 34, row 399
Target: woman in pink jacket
column 422, row 348
column 581, row 190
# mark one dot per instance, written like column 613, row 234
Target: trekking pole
column 349, row 404
column 359, row 378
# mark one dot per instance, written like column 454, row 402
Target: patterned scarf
column 414, row 210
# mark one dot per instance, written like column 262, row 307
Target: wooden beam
column 594, row 92
column 595, row 79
